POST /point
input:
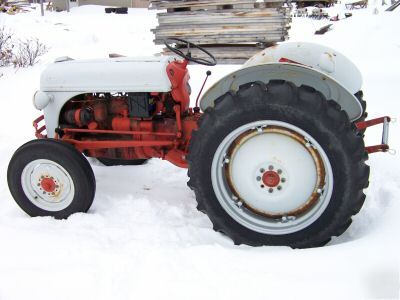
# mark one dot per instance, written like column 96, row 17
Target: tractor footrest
column 384, row 145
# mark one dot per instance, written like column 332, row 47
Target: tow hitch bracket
column 384, row 145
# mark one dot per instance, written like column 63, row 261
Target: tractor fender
column 297, row 73
column 316, row 56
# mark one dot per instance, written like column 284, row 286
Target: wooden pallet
column 232, row 30
column 16, row 3
column 221, row 4
column 226, row 16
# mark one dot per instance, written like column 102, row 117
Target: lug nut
column 283, row 179
column 258, row 178
column 262, row 170
column 262, row 186
column 271, row 190
column 279, row 171
column 279, row 187
column 271, row 167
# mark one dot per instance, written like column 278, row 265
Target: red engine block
column 103, row 128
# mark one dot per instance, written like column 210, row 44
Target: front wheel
column 50, row 178
column 278, row 164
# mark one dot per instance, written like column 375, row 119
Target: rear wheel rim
column 47, row 185
column 272, row 177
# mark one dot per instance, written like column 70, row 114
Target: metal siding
column 59, row 4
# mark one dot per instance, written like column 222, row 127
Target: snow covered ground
column 143, row 237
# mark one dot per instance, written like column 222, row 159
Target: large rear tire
column 47, row 177
column 278, row 164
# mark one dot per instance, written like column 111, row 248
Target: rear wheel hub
column 272, row 177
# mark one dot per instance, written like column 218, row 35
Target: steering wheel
column 210, row 61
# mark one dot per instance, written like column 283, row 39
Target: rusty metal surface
column 39, row 130
column 320, row 169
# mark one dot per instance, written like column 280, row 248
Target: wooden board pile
column 232, row 30
column 13, row 6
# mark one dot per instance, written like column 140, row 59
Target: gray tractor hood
column 122, row 74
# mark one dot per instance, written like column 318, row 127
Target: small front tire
column 47, row 177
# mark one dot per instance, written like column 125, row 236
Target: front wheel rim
column 272, row 177
column 47, row 185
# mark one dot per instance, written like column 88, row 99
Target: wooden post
column 41, row 8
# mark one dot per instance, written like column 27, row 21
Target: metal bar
column 372, row 122
column 86, row 145
column 377, row 148
column 99, row 131
column 385, row 131
column 36, row 121
column 384, row 146
column 38, row 131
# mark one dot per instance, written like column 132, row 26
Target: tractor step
column 384, row 145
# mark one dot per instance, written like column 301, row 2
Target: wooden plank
column 206, row 4
column 225, row 11
column 231, row 39
column 220, row 28
column 267, row 38
column 221, row 20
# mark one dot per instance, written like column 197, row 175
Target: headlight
column 41, row 100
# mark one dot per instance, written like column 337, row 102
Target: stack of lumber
column 232, row 30
column 13, row 6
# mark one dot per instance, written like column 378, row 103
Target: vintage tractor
column 275, row 151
